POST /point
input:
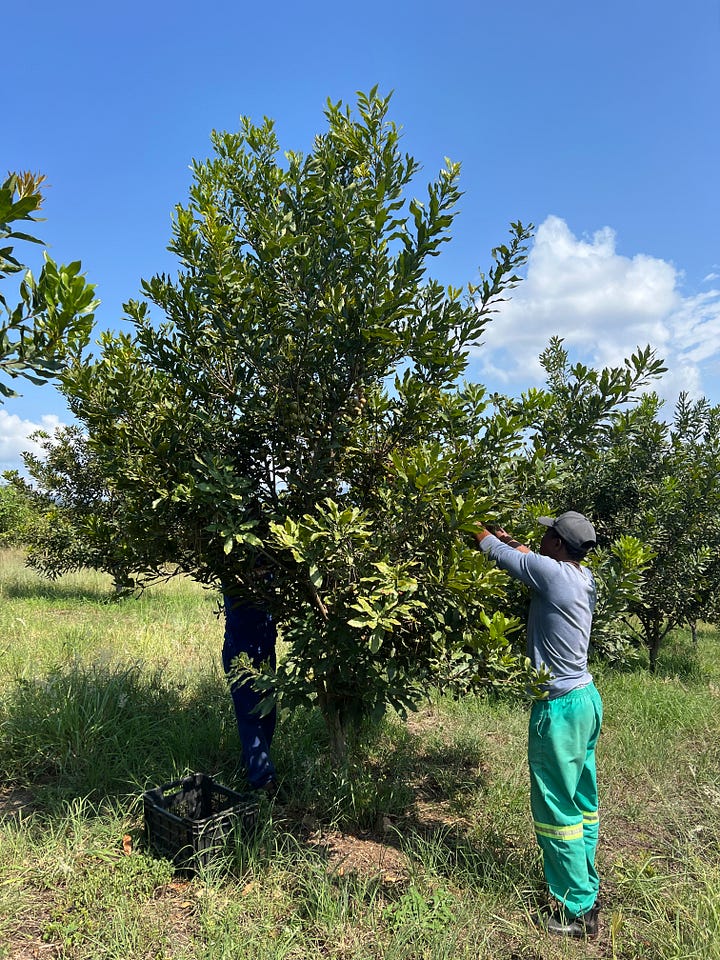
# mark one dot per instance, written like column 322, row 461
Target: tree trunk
column 654, row 638
column 335, row 725
column 338, row 738
column 654, row 651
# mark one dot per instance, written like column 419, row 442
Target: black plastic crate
column 190, row 820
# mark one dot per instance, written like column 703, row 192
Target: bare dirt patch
column 34, row 951
column 359, row 855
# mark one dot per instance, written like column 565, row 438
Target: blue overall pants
column 251, row 631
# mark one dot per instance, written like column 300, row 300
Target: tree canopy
column 659, row 481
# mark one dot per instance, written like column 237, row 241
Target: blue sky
column 596, row 122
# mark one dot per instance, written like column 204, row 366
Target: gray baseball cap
column 575, row 529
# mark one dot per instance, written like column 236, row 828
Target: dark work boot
column 563, row 924
column 273, row 791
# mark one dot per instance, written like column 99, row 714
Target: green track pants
column 563, row 793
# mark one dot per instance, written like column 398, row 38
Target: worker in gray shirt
column 565, row 723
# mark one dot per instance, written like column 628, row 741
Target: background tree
column 566, row 423
column 73, row 519
column 654, row 481
column 52, row 321
column 16, row 516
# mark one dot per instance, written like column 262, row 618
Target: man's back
column 560, row 616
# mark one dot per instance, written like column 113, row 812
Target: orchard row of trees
column 297, row 429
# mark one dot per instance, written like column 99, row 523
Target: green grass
column 427, row 852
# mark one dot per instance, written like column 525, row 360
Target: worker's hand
column 481, row 532
column 505, row 537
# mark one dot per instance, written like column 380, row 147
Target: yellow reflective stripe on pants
column 553, row 831
column 592, row 817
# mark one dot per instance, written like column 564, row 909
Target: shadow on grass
column 679, row 657
column 388, row 770
column 105, row 732
column 418, row 846
column 449, row 771
column 57, row 590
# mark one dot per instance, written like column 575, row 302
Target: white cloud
column 696, row 327
column 604, row 305
column 14, row 437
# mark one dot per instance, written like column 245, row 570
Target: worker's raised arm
column 503, row 536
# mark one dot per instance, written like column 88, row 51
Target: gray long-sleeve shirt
column 561, row 610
